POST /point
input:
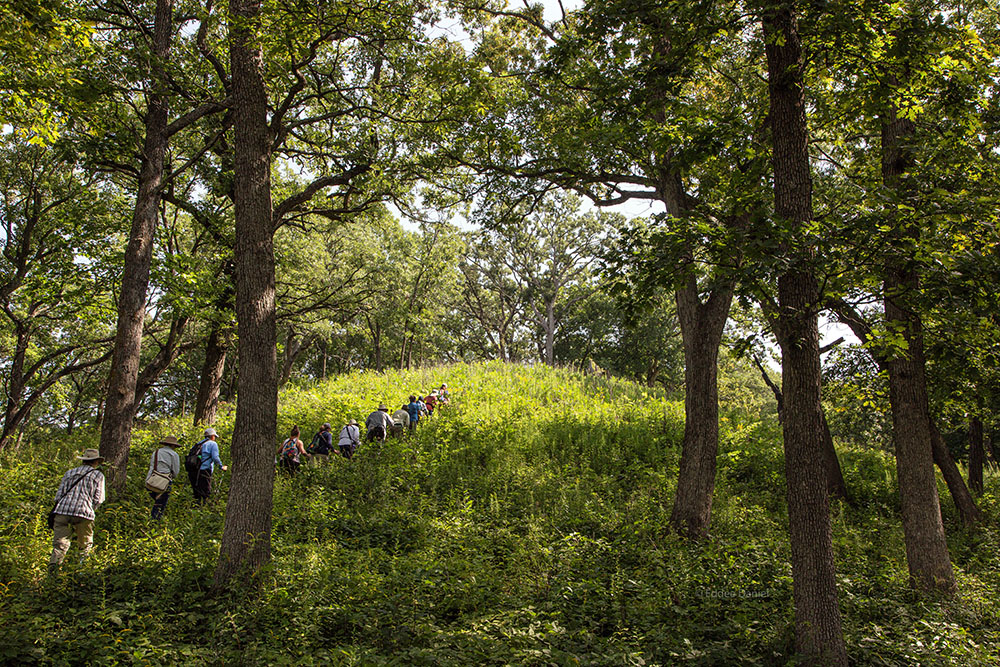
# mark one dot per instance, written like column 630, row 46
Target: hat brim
column 99, row 458
column 170, row 444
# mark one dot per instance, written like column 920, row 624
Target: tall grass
column 526, row 524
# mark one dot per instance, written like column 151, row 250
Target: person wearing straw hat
column 349, row 439
column 164, row 465
column 80, row 492
column 378, row 424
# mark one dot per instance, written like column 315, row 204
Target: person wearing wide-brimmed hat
column 378, row 424
column 80, row 492
column 166, row 462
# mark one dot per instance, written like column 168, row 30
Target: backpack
column 192, row 462
column 288, row 449
column 314, row 445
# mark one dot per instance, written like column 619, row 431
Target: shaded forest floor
column 524, row 525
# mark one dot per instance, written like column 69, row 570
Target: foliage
column 525, row 524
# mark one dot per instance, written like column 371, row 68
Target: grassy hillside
column 526, row 525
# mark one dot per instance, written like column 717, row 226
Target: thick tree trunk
column 976, row 455
column 207, row 406
column 701, row 330
column 818, row 633
column 119, row 408
column 926, row 548
column 246, row 537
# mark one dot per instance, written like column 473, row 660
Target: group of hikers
column 81, row 490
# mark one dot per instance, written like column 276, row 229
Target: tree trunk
column 942, row 457
column 818, row 633
column 926, row 548
column 701, row 331
column 835, row 484
column 246, row 537
column 119, row 408
column 990, row 449
column 550, row 332
column 976, row 456
column 15, row 383
column 960, row 495
column 293, row 346
column 207, row 406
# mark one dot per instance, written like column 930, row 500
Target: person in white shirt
column 166, row 461
column 349, row 439
column 80, row 492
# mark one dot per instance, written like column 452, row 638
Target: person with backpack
column 413, row 409
column 77, row 498
column 200, row 464
column 378, row 424
column 322, row 444
column 164, row 466
column 291, row 451
column 400, row 422
column 431, row 402
column 349, row 439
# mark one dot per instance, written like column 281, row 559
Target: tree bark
column 926, row 547
column 976, row 455
column 15, row 382
column 550, row 332
column 835, row 484
column 964, row 502
column 119, row 407
column 818, row 634
column 701, row 330
column 246, row 537
column 207, row 406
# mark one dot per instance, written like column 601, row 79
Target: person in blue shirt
column 201, row 482
column 413, row 408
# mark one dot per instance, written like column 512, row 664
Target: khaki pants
column 62, row 532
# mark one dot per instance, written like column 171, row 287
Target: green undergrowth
column 527, row 524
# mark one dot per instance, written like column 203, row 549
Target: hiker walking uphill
column 349, row 439
column 413, row 409
column 290, row 452
column 80, row 492
column 164, row 466
column 379, row 423
column 400, row 421
column 200, row 464
column 322, row 444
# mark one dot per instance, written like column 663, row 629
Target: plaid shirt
column 84, row 497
